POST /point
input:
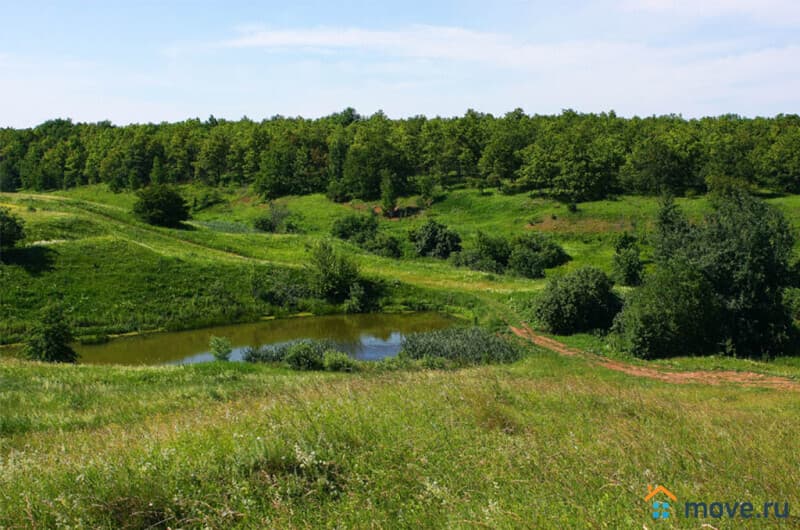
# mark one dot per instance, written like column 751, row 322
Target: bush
column 532, row 253
column 579, row 301
column 272, row 353
column 207, row 200
column 356, row 228
column 674, row 313
column 275, row 220
column 357, row 301
column 473, row 259
column 332, row 275
column 50, row 338
column 336, row 361
column 525, row 262
column 161, row 205
column 221, row 348
column 11, row 229
column 463, row 346
column 527, row 255
column 305, row 355
column 384, row 245
column 435, row 240
column 627, row 266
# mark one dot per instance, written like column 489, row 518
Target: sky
column 152, row 61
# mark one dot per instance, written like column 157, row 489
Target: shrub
column 463, row 346
column 527, row 255
column 305, row 355
column 11, row 229
column 302, row 352
column 50, row 338
column 272, row 353
column 384, row 245
column 473, row 259
column 389, row 192
column 356, row 228
column 332, row 275
column 161, row 205
column 525, row 262
column 274, row 220
column 425, row 187
column 495, row 249
column 627, row 266
column 579, row 301
column 336, row 361
column 221, row 348
column 207, row 200
column 532, row 253
column 675, row 312
column 435, row 240
column 357, row 300
column 264, row 223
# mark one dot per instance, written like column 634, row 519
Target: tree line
column 571, row 156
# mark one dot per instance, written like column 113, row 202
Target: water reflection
column 367, row 337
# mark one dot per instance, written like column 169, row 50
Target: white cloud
column 776, row 12
column 406, row 71
column 632, row 77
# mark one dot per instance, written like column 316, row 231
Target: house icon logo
column 660, row 507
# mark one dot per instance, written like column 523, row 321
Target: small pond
column 366, row 337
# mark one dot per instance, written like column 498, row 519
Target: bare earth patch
column 700, row 376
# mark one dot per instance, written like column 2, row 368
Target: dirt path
column 701, row 376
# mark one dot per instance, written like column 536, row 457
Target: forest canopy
column 571, row 156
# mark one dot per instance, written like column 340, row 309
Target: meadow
column 547, row 441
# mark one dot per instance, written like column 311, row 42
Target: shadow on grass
column 35, row 259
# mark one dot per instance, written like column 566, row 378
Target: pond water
column 366, row 337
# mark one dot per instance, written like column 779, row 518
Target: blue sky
column 151, row 61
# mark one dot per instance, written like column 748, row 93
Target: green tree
column 332, row 275
column 388, row 192
column 221, row 348
column 435, row 239
column 50, row 338
column 158, row 174
column 673, row 232
column 662, row 162
column 675, row 312
column 12, row 229
column 741, row 253
column 161, row 205
column 579, row 301
column 627, row 262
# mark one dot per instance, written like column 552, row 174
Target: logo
column 662, row 501
column 661, row 508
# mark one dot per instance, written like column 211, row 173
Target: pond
column 366, row 337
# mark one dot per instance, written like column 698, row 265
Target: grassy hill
column 549, row 441
column 546, row 442
column 85, row 246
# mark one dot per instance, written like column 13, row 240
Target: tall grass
column 546, row 442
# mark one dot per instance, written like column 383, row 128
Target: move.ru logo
column 660, row 507
column 662, row 501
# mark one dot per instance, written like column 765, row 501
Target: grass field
column 548, row 442
column 78, row 241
